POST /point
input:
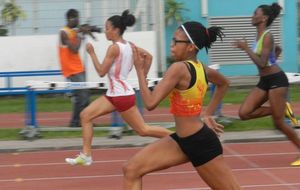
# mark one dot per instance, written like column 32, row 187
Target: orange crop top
column 189, row 102
column 70, row 62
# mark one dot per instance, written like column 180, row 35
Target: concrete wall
column 25, row 53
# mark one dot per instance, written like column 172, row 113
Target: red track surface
column 258, row 166
column 58, row 119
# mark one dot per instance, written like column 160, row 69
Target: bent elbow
column 227, row 84
column 150, row 107
column 101, row 74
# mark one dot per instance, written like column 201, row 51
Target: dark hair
column 72, row 13
column 201, row 36
column 272, row 11
column 122, row 21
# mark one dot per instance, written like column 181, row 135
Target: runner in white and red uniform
column 120, row 95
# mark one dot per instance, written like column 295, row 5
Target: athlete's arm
column 111, row 54
column 74, row 47
column 147, row 59
column 171, row 78
column 278, row 51
column 222, row 84
column 260, row 61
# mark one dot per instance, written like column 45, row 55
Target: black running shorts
column 200, row 147
column 272, row 81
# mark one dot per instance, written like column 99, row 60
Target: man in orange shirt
column 71, row 63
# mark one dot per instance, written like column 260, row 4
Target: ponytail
column 272, row 11
column 212, row 34
column 201, row 36
column 121, row 22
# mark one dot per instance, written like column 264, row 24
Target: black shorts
column 273, row 81
column 200, row 147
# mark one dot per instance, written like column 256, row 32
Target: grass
column 254, row 124
column 61, row 103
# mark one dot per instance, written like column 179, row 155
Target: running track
column 258, row 166
column 56, row 119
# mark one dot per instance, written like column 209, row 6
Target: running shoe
column 296, row 162
column 289, row 114
column 81, row 159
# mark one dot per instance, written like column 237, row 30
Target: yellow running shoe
column 289, row 114
column 296, row 162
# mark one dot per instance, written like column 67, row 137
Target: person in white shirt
column 120, row 95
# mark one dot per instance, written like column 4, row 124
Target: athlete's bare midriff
column 187, row 125
column 269, row 70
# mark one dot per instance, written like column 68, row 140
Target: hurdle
column 31, row 129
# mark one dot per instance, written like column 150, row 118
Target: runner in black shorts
column 196, row 141
column 273, row 84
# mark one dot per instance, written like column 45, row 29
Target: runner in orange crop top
column 189, row 102
column 195, row 141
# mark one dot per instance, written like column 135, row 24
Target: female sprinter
column 273, row 83
column 120, row 96
column 195, row 141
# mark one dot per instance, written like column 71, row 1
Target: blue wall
column 245, row 8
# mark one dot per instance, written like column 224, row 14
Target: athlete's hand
column 278, row 51
column 216, row 127
column 241, row 44
column 90, row 48
column 138, row 58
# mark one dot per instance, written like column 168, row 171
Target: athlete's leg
column 135, row 120
column 278, row 104
column 162, row 154
column 98, row 107
column 252, row 105
column 218, row 175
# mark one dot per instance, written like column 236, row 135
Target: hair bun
column 127, row 18
column 275, row 9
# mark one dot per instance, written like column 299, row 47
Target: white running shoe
column 81, row 159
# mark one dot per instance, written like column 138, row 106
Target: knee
column 243, row 115
column 279, row 123
column 84, row 116
column 130, row 170
column 143, row 132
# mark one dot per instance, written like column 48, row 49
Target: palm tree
column 3, row 30
column 10, row 13
column 173, row 12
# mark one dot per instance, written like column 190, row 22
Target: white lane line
column 151, row 174
column 113, row 161
column 254, row 165
column 245, row 186
column 257, row 143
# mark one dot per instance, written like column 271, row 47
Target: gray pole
column 87, row 17
column 160, row 36
column 35, row 16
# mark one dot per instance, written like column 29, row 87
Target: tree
column 173, row 12
column 3, row 31
column 10, row 13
